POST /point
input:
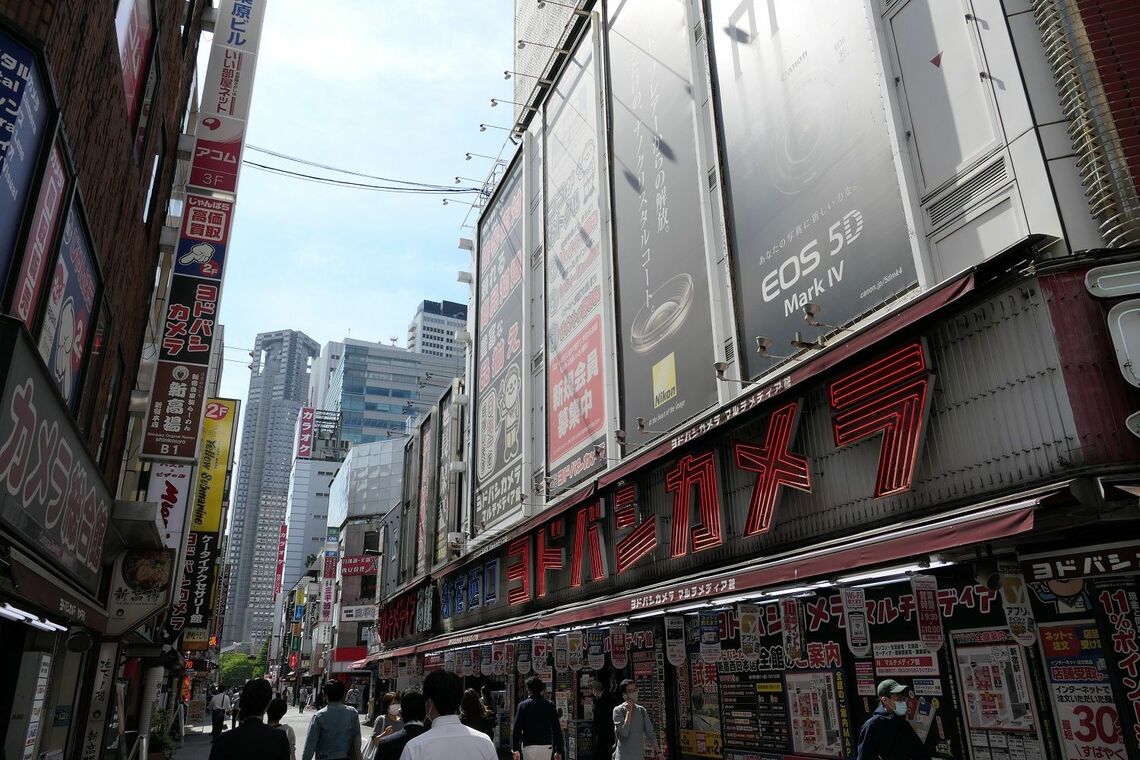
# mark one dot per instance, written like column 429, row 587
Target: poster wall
column 663, row 297
column 499, row 356
column 815, row 203
column 575, row 288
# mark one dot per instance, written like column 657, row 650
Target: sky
column 388, row 88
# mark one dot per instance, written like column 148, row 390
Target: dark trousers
column 218, row 717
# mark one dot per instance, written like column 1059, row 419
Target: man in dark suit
column 413, row 709
column 252, row 739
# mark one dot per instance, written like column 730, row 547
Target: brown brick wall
column 78, row 39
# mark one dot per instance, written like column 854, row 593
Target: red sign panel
column 305, row 433
column 359, row 565
column 282, row 543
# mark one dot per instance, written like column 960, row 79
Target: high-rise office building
column 435, row 327
column 278, row 388
column 376, row 387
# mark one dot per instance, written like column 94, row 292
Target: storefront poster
column 1117, row 609
column 660, row 256
column 140, row 588
column 925, row 588
column 524, row 653
column 575, row 650
column 791, row 627
column 709, row 623
column 619, row 646
column 814, row 711
column 169, row 488
column 498, row 659
column 596, row 648
column 1087, row 719
column 855, row 619
column 675, row 639
column 575, row 279
column 647, row 669
column 904, row 658
column 540, row 656
column 815, row 198
column 499, row 360
column 510, row 657
column 1015, row 602
column 865, row 678
column 486, row 660
column 561, row 652
column 748, row 617
column 448, row 661
column 66, row 328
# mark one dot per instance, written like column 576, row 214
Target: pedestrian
column 474, row 714
column 447, row 739
column 252, row 740
column 887, row 734
column 390, row 747
column 390, row 717
column 632, row 726
column 273, row 715
column 304, row 702
column 219, row 706
column 537, row 734
column 235, row 710
column 334, row 732
column 604, row 704
column 485, row 696
column 352, row 698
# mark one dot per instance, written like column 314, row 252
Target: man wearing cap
column 887, row 734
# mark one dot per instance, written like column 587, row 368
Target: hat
column 890, row 687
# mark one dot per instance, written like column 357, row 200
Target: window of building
column 368, row 587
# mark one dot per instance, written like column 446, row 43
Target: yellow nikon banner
column 219, row 424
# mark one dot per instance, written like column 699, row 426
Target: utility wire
column 430, row 190
column 307, row 162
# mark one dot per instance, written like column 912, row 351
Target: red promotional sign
column 305, row 433
column 359, row 565
column 576, row 405
column 40, row 238
column 925, row 589
column 282, row 543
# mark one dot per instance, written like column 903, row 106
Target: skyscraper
column 433, row 329
column 278, row 388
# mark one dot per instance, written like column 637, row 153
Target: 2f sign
column 216, row 411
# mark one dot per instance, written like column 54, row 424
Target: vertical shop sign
column 709, row 623
column 218, row 429
column 1087, row 720
column 575, row 650
column 855, row 619
column 36, row 709
column 596, row 648
column 791, row 627
column 498, row 659
column 524, row 652
column 425, row 494
column 66, row 328
column 443, row 482
column 925, row 589
column 675, row 640
column 102, row 687
column 169, row 488
column 40, row 241
column 748, row 617
column 1015, row 601
column 662, row 275
column 23, row 120
column 619, row 646
column 279, row 571
column 575, row 278
column 499, row 360
column 1118, row 608
column 816, row 206
column 305, row 432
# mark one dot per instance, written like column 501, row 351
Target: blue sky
column 396, row 89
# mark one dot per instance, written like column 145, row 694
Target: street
column 196, row 745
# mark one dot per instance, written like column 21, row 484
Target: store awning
column 990, row 521
column 360, row 664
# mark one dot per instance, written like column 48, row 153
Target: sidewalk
column 195, row 745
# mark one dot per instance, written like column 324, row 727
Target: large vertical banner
column 663, row 295
column 425, row 493
column 134, row 31
column 816, row 207
column 303, row 447
column 499, row 359
column 23, row 120
column 444, row 511
column 169, row 488
column 575, row 287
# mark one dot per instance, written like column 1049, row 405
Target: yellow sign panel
column 219, row 425
column 664, row 381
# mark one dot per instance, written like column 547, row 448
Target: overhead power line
column 414, row 190
column 317, row 165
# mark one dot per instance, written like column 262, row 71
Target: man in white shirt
column 447, row 739
column 219, row 707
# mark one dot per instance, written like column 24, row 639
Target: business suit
column 392, row 745
column 252, row 740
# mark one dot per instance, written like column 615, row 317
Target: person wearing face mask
column 411, row 703
column 447, row 739
column 887, row 734
column 389, row 720
column 632, row 727
column 604, row 704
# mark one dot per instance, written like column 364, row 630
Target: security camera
column 720, row 367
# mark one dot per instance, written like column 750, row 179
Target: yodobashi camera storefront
column 948, row 499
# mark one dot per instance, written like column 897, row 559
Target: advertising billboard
column 218, row 429
column 499, row 354
column 425, row 493
column 41, row 238
column 205, row 234
column 446, row 495
column 134, row 31
column 815, row 202
column 663, row 296
column 169, row 488
column 575, row 278
column 304, row 443
column 23, row 119
column 66, row 328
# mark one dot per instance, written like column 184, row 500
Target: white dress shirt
column 448, row 739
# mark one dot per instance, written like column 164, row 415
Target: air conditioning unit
column 458, row 467
column 456, row 542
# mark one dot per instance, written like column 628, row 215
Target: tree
column 237, row 668
column 262, row 661
column 310, row 560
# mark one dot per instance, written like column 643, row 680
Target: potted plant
column 160, row 744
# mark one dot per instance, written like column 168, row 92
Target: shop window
column 95, row 370
column 108, row 411
column 371, row 541
column 368, row 587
